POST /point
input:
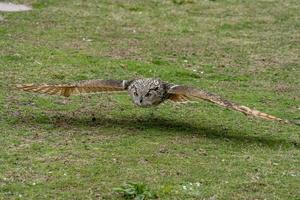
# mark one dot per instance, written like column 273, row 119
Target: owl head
column 147, row 92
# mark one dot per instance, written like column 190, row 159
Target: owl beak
column 141, row 100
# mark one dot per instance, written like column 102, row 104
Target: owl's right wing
column 89, row 86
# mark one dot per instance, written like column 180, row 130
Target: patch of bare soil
column 10, row 7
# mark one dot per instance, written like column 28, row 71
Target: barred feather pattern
column 90, row 86
column 178, row 98
column 201, row 94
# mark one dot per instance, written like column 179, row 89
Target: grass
column 246, row 51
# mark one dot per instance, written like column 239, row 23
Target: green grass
column 246, row 51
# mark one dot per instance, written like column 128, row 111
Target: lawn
column 245, row 51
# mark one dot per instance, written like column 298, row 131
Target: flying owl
column 144, row 93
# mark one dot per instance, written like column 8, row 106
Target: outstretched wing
column 201, row 94
column 178, row 98
column 89, row 86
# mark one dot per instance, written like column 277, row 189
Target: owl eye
column 135, row 93
column 148, row 94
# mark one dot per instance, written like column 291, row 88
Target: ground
column 246, row 51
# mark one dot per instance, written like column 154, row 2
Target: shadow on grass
column 161, row 125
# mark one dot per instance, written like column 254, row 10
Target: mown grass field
column 246, row 51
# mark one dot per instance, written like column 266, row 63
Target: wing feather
column 89, row 86
column 201, row 94
column 178, row 98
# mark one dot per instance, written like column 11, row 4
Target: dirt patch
column 10, row 7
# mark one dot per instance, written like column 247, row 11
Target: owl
column 144, row 93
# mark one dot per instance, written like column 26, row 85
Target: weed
column 136, row 191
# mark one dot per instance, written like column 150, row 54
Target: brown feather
column 90, row 86
column 178, row 98
column 193, row 92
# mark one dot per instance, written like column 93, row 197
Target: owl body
column 148, row 92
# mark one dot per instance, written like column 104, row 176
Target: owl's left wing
column 201, row 94
column 89, row 86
